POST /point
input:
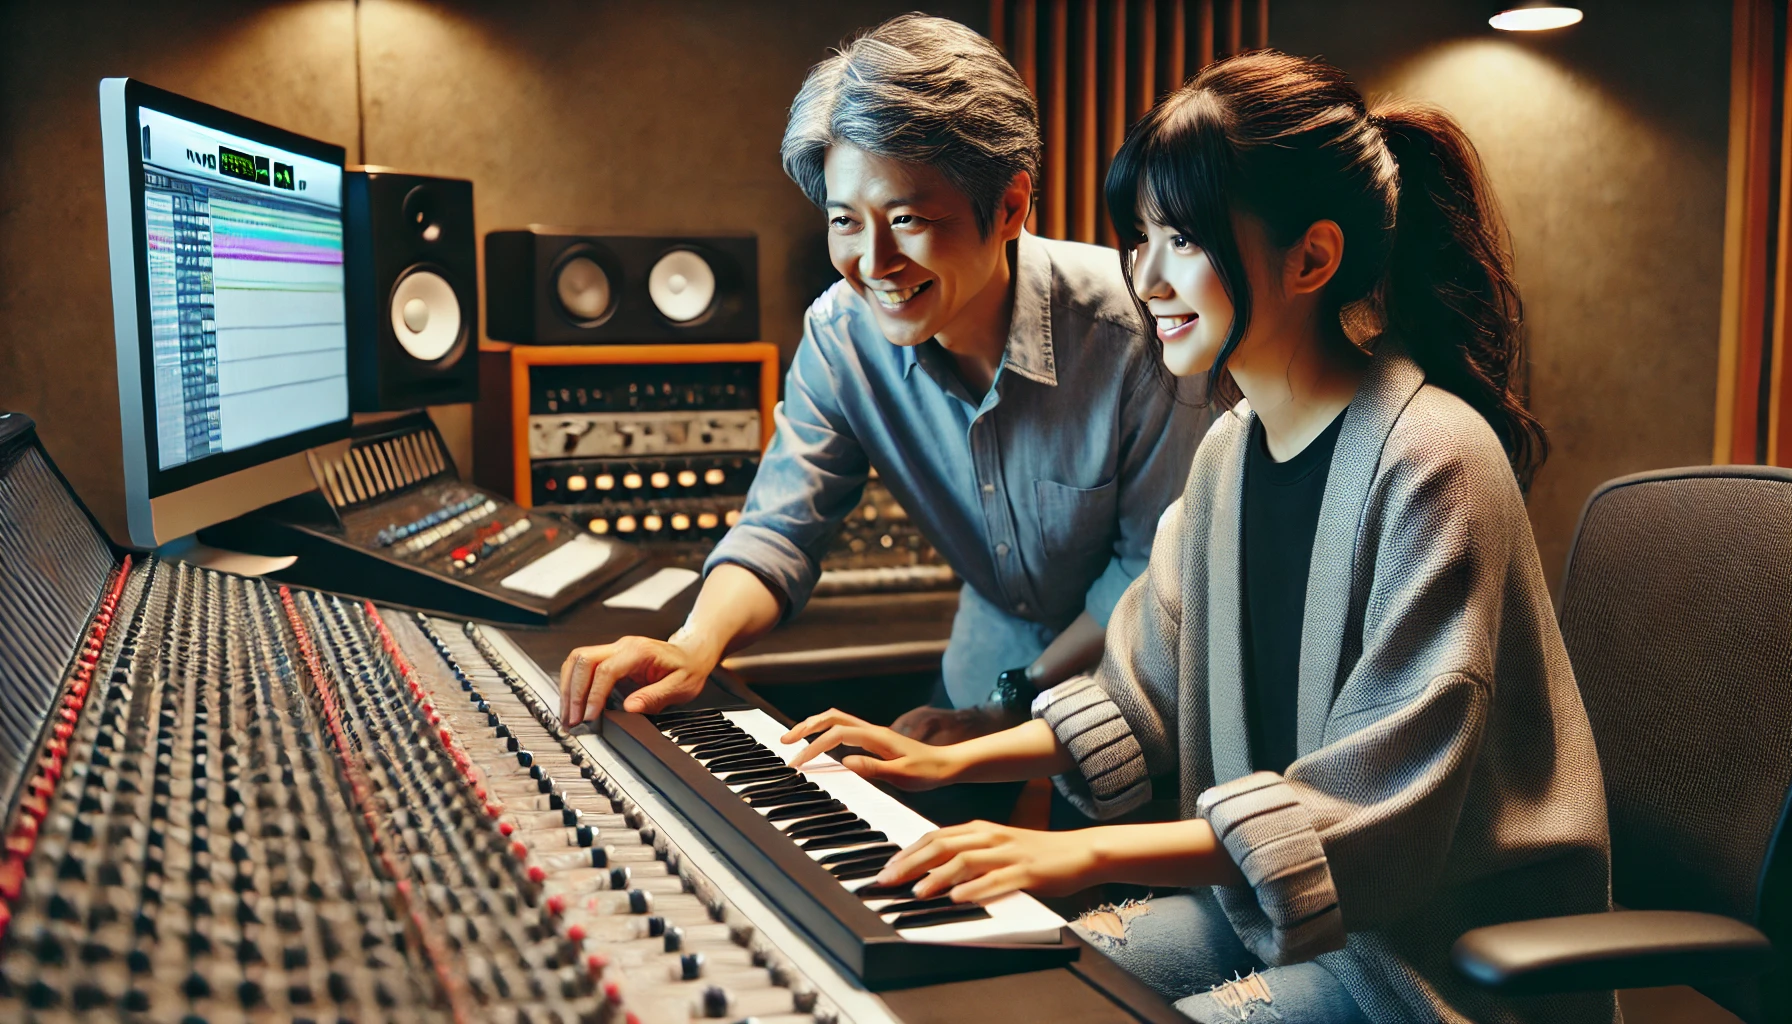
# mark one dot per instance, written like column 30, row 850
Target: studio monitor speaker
column 410, row 259
column 556, row 286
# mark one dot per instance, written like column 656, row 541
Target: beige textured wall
column 610, row 115
column 291, row 64
column 1607, row 146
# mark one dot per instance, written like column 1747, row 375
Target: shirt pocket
column 1075, row 523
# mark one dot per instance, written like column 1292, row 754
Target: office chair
column 1677, row 613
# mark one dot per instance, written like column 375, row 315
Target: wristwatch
column 1014, row 691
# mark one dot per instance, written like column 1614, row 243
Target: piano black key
column 924, row 918
column 857, row 869
column 738, row 762
column 827, row 825
column 704, row 733
column 915, row 906
column 809, row 809
column 838, row 858
column 774, row 786
column 875, row 861
column 895, row 891
column 665, row 717
column 711, row 751
column 758, row 775
column 796, row 794
column 834, row 842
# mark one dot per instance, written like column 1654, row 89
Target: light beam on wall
column 1535, row 17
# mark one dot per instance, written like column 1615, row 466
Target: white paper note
column 652, row 593
column 560, row 568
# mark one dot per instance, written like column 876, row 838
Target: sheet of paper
column 652, row 593
column 560, row 568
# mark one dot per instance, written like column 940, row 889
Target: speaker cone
column 584, row 289
column 425, row 315
column 682, row 286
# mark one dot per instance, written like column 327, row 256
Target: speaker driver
column 682, row 286
column 420, row 210
column 584, row 290
column 425, row 315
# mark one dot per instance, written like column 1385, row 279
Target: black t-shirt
column 1281, row 514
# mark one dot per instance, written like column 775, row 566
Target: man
column 998, row 383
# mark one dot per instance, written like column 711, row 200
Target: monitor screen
column 248, row 338
column 229, row 305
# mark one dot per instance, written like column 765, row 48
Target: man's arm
column 763, row 570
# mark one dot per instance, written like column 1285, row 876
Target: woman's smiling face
column 1190, row 309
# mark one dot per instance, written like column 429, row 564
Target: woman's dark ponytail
column 1291, row 142
column 1448, row 294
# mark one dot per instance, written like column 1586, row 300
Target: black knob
column 690, row 966
column 674, row 940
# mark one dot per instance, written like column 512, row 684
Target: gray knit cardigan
column 1446, row 776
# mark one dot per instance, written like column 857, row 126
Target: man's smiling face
column 906, row 240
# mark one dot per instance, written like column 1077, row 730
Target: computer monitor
column 228, row 303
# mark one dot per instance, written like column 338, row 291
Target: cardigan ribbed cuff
column 1110, row 778
column 1260, row 820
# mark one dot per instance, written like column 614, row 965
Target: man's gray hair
column 921, row 90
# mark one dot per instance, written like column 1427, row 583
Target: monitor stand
column 190, row 549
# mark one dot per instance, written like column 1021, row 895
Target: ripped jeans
column 1183, row 946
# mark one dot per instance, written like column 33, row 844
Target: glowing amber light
column 632, row 481
column 651, row 522
column 1535, row 18
column 713, row 477
column 660, row 480
column 600, row 526
column 680, row 521
column 687, row 478
column 575, row 483
column 707, row 520
column 605, row 481
column 625, row 524
column 732, row 517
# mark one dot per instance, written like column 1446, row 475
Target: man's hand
column 902, row 762
column 981, row 860
column 941, row 726
column 672, row 672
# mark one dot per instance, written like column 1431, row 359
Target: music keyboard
column 879, row 825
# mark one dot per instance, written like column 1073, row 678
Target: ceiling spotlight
column 1536, row 16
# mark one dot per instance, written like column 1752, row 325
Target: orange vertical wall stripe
column 1097, row 66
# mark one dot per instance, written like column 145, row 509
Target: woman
column 1343, row 648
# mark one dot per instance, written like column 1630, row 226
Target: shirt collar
column 1029, row 348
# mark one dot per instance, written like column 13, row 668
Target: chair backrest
column 1677, row 613
column 1678, row 619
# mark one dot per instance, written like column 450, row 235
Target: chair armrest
column 1621, row 949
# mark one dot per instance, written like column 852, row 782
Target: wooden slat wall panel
column 1751, row 316
column 1097, row 66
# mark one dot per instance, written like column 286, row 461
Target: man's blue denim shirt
column 1043, row 496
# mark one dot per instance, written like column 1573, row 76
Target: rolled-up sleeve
column 810, row 478
column 1159, row 435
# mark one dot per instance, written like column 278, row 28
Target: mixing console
column 231, row 799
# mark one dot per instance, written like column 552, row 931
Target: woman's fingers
column 936, row 848
column 815, row 723
column 1000, row 882
column 961, row 867
column 820, row 745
